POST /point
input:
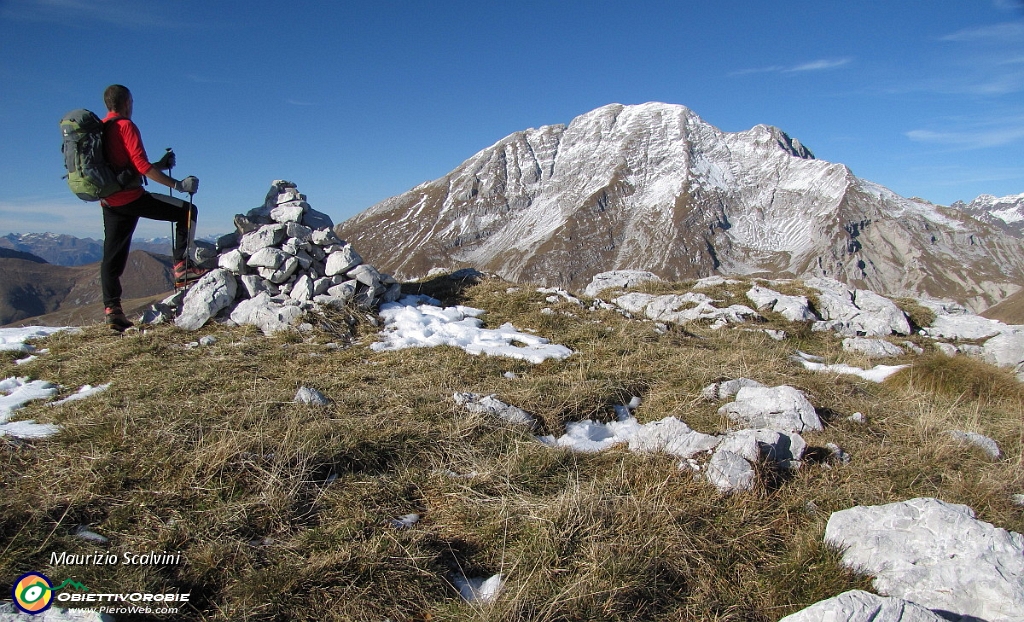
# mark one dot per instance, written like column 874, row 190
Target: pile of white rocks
column 283, row 260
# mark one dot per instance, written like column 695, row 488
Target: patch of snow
column 479, row 589
column 406, row 521
column 878, row 373
column 14, row 394
column 86, row 391
column 420, row 322
column 17, row 338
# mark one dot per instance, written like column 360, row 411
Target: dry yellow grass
column 282, row 510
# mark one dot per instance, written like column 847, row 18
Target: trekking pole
column 188, row 236
column 170, row 193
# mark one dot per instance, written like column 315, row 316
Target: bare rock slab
column 935, row 554
column 214, row 292
column 623, row 279
column 781, row 408
column 861, row 606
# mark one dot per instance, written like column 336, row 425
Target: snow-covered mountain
column 655, row 187
column 1007, row 212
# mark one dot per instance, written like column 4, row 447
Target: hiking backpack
column 89, row 176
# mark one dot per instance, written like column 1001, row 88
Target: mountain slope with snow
column 654, row 187
column 1006, row 213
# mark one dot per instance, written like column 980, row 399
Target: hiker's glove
column 166, row 163
column 190, row 185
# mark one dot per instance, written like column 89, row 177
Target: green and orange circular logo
column 33, row 593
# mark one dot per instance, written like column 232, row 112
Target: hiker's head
column 118, row 99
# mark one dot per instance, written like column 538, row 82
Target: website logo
column 33, row 592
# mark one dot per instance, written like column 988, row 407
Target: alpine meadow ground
column 285, row 511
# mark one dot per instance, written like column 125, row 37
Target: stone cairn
column 283, row 260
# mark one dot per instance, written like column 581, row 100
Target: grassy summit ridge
column 283, row 510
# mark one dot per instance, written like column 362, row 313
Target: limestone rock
column 872, row 348
column 267, row 257
column 266, row 314
column 1005, row 350
column 291, row 211
column 673, row 437
column 783, row 448
column 777, row 408
column 857, row 312
column 793, row 308
column 214, row 292
column 729, row 472
column 287, row 259
column 935, row 554
column 986, row 444
column 298, row 231
column 306, row 395
column 232, row 261
column 861, row 606
column 681, row 309
column 623, row 279
column 725, row 389
column 341, row 261
column 265, row 236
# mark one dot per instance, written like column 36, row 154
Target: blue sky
column 359, row 101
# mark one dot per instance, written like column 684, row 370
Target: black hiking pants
column 119, row 225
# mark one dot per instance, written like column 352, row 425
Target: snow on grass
column 479, row 589
column 420, row 322
column 15, row 393
column 878, row 373
column 86, row 391
column 17, row 338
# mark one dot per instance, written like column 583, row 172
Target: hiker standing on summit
column 124, row 151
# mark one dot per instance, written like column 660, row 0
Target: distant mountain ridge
column 67, row 250
column 654, row 187
column 1006, row 213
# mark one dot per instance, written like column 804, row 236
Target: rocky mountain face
column 1006, row 213
column 654, row 187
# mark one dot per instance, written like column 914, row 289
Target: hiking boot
column 185, row 272
column 116, row 319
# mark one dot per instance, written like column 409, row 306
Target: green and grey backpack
column 89, row 176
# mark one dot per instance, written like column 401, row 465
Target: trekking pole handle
column 170, row 169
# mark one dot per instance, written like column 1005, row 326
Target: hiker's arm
column 159, row 177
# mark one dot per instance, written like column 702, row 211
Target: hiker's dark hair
column 116, row 97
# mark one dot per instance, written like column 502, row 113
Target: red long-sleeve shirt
column 122, row 144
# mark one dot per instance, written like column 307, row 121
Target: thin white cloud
column 970, row 139
column 823, row 64
column 295, row 102
column 820, row 65
column 1008, row 32
column 1009, row 5
column 123, row 13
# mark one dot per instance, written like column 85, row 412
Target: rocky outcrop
column 861, row 606
column 935, row 554
column 776, row 408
